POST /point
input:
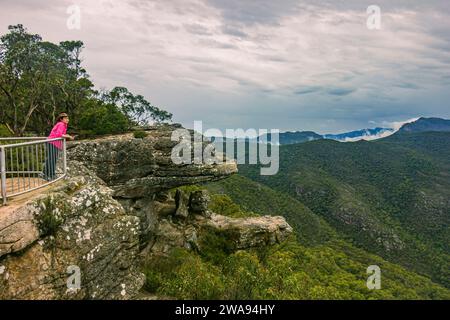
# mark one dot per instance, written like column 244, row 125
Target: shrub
column 4, row 132
column 51, row 217
column 139, row 134
column 216, row 245
column 196, row 280
column 153, row 280
column 159, row 268
column 244, row 276
column 222, row 204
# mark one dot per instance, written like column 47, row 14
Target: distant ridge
column 367, row 134
column 363, row 134
column 426, row 124
column 298, row 137
column 293, row 137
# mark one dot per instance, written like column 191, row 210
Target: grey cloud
column 260, row 63
column 307, row 90
column 233, row 31
column 340, row 91
column 29, row 5
column 407, row 85
column 216, row 44
column 198, row 29
column 249, row 12
column 385, row 5
column 273, row 58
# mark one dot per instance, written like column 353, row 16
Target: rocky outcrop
column 136, row 168
column 240, row 233
column 75, row 226
column 18, row 229
column 198, row 203
column 169, row 229
column 116, row 206
column 251, row 232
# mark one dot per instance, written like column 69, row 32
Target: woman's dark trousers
column 51, row 156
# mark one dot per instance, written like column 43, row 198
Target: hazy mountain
column 298, row 137
column 420, row 125
column 293, row 137
column 364, row 134
column 427, row 124
column 289, row 137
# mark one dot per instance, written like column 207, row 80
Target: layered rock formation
column 115, row 207
column 137, row 168
column 76, row 225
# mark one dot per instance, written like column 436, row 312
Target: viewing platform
column 30, row 163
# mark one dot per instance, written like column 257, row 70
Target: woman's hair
column 62, row 116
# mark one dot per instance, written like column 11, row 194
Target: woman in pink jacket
column 53, row 148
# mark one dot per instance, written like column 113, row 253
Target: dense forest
column 315, row 263
column 388, row 197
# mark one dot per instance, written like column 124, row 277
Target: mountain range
column 420, row 125
column 293, row 137
column 427, row 124
column 364, row 134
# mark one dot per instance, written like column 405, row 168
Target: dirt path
column 18, row 201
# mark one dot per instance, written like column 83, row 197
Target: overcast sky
column 285, row 64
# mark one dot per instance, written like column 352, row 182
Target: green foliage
column 38, row 80
column 387, row 196
column 187, row 189
column 223, row 205
column 135, row 107
column 51, row 216
column 184, row 276
column 289, row 271
column 194, row 279
column 153, row 280
column 139, row 134
column 100, row 119
column 244, row 276
column 322, row 262
column 4, row 132
column 252, row 196
column 215, row 245
column 219, row 203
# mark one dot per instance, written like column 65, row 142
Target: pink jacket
column 58, row 131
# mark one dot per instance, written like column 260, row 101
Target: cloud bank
column 291, row 65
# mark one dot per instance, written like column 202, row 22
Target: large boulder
column 250, row 232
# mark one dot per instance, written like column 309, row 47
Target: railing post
column 3, row 173
column 64, row 156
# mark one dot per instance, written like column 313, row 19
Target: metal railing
column 30, row 163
